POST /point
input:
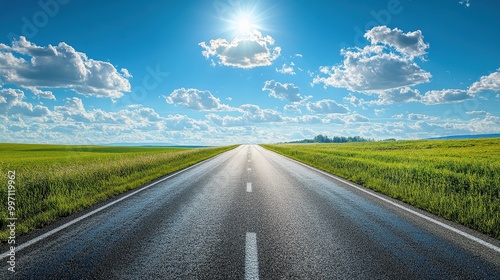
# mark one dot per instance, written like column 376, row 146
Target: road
column 252, row 214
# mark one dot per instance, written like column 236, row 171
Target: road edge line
column 402, row 207
column 72, row 222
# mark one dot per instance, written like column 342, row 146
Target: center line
column 249, row 187
column 251, row 258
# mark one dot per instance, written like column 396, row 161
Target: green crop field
column 456, row 179
column 52, row 181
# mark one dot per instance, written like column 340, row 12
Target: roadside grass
column 456, row 179
column 54, row 181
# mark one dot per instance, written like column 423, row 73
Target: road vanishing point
column 250, row 213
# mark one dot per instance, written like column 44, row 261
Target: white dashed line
column 251, row 257
column 249, row 187
column 249, row 169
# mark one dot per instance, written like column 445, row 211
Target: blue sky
column 219, row 72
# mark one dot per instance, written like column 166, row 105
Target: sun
column 244, row 25
column 244, row 21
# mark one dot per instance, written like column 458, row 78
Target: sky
column 219, row 72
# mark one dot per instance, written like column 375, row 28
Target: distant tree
column 336, row 139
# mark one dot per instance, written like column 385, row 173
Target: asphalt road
column 250, row 213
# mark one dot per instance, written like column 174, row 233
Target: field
column 53, row 181
column 456, row 179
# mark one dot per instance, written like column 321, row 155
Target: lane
column 314, row 226
column 252, row 214
column 169, row 231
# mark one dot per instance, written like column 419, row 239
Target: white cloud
column 59, row 66
column 183, row 122
column 252, row 114
column 286, row 69
column 379, row 112
column 387, row 64
column 308, row 119
column 418, row 117
column 354, row 101
column 12, row 103
column 201, row 100
column 74, row 109
column 246, row 51
column 326, row 106
column 228, row 121
column 281, row 91
column 486, row 83
column 41, row 93
column 355, row 118
column 465, row 2
column 409, row 44
column 478, row 113
column 293, row 108
column 405, row 94
column 445, row 96
column 255, row 114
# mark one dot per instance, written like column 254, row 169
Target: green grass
column 456, row 179
column 53, row 181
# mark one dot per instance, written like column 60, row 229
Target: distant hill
column 496, row 135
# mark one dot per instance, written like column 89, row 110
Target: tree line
column 336, row 139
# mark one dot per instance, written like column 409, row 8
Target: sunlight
column 244, row 25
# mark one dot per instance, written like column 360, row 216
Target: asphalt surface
column 250, row 213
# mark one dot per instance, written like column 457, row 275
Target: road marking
column 249, row 187
column 49, row 233
column 429, row 219
column 249, row 169
column 251, row 257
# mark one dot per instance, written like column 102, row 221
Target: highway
column 252, row 214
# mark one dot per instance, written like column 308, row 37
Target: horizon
column 213, row 73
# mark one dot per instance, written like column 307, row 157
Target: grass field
column 52, row 181
column 456, row 179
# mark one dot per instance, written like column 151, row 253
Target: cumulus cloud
column 183, row 122
column 326, row 106
column 251, row 114
column 74, row 109
column 246, row 51
column 445, row 96
column 229, row 121
column 255, row 114
column 355, row 118
column 293, row 108
column 386, row 64
column 287, row 69
column 201, row 100
column 485, row 83
column 404, row 94
column 59, row 66
column 12, row 103
column 409, row 44
column 288, row 92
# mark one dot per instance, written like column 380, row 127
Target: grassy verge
column 53, row 181
column 456, row 179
